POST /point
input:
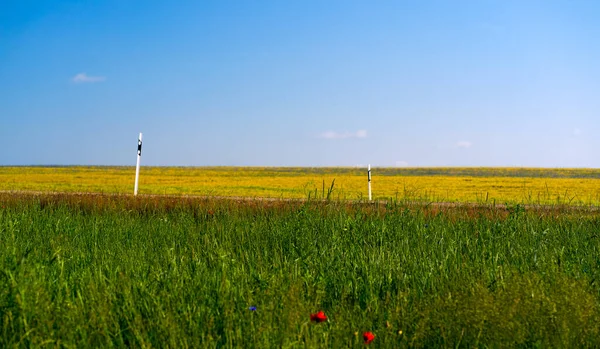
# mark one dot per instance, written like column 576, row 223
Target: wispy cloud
column 84, row 78
column 343, row 135
column 464, row 144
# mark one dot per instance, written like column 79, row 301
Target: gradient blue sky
column 301, row 83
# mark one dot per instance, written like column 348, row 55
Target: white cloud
column 464, row 144
column 83, row 78
column 361, row 134
column 343, row 135
column 401, row 163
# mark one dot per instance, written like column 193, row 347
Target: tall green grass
column 96, row 271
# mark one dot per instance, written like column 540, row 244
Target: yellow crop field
column 500, row 185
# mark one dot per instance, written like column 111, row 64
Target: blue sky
column 301, row 83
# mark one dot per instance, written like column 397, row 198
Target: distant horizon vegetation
column 316, row 166
column 468, row 185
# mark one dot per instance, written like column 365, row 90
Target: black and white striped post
column 369, row 175
column 137, row 167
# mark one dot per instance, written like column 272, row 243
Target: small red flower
column 368, row 337
column 318, row 317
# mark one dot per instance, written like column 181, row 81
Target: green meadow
column 118, row 271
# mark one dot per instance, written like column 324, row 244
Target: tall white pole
column 369, row 174
column 137, row 167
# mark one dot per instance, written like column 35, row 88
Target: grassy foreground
column 480, row 185
column 89, row 271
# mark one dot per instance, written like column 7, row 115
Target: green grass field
column 100, row 271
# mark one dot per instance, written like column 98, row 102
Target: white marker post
column 137, row 167
column 369, row 175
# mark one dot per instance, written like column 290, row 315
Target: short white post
column 369, row 175
column 137, row 167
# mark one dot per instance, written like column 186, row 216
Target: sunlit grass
column 89, row 271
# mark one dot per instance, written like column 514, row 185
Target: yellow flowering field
column 500, row 185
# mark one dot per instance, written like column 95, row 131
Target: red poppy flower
column 318, row 317
column 368, row 337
